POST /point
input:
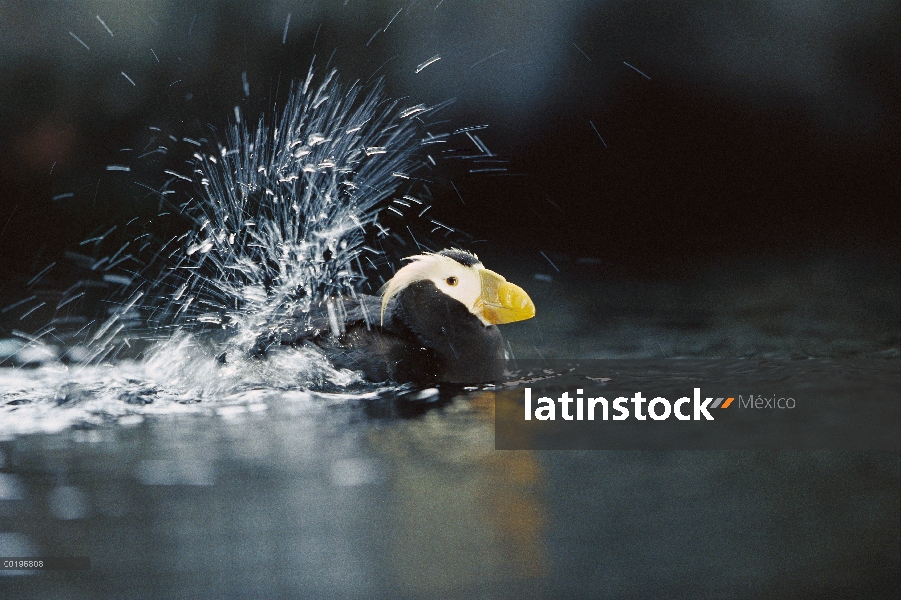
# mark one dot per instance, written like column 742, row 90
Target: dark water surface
column 275, row 492
column 388, row 498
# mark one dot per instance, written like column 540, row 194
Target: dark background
column 758, row 128
column 743, row 203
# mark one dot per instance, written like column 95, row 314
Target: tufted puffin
column 436, row 321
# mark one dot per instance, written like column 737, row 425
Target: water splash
column 177, row 378
column 283, row 215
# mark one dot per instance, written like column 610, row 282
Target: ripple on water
column 179, row 377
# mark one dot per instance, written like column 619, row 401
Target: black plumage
column 419, row 333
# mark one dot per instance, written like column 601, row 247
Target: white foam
column 180, row 376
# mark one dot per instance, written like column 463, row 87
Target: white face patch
column 458, row 281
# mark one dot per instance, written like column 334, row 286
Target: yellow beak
column 503, row 302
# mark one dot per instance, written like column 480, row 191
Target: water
column 293, row 494
column 256, row 485
column 181, row 476
column 272, row 219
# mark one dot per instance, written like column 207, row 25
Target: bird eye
column 451, row 281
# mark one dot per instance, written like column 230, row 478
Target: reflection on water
column 385, row 498
column 307, row 498
column 250, row 487
column 464, row 514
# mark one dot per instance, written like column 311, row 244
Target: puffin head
column 461, row 275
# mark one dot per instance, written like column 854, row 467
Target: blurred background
column 740, row 161
column 640, row 134
column 670, row 179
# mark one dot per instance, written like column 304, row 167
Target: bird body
column 436, row 321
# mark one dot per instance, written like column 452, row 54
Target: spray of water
column 284, row 214
column 281, row 214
